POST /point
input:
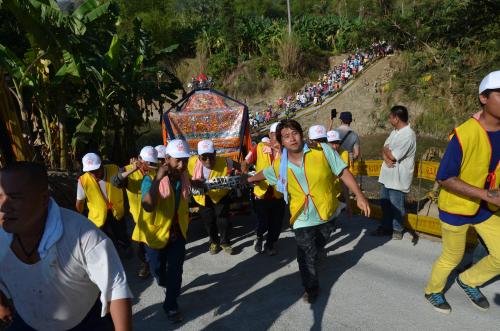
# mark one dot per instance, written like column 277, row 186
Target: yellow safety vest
column 220, row 170
column 133, row 190
column 344, row 155
column 96, row 202
column 153, row 229
column 263, row 161
column 476, row 159
column 321, row 185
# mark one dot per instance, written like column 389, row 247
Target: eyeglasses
column 206, row 157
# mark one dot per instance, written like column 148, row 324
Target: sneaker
column 381, row 232
column 174, row 316
column 475, row 296
column 397, row 235
column 258, row 245
column 214, row 248
column 144, row 271
column 227, row 249
column 439, row 302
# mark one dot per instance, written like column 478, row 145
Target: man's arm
column 80, row 205
column 458, row 186
column 388, row 157
column 388, row 154
column 257, row 177
column 6, row 311
column 80, row 197
column 121, row 313
column 120, row 179
column 150, row 199
column 356, row 152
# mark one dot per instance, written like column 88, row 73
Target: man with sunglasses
column 104, row 201
column 214, row 204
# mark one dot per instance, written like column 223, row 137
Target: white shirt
column 80, row 192
column 403, row 144
column 58, row 291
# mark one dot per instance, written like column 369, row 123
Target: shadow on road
column 337, row 264
column 260, row 308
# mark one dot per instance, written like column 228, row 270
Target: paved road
column 367, row 284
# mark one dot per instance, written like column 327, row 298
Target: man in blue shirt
column 469, row 175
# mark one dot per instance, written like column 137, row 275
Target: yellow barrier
column 424, row 170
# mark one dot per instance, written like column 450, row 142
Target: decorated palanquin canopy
column 209, row 114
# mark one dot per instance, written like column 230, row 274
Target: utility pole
column 289, row 18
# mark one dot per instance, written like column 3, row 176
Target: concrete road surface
column 367, row 283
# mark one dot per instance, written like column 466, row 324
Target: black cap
column 346, row 116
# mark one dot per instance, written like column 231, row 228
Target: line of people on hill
column 329, row 83
column 60, row 272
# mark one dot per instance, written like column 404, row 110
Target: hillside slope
column 364, row 97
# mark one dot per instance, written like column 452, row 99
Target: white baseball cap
column 91, row 161
column 272, row 128
column 205, row 146
column 266, row 140
column 161, row 151
column 177, row 148
column 317, row 132
column 149, row 154
column 332, row 136
column 490, row 82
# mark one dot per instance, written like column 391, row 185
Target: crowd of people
column 329, row 83
column 61, row 271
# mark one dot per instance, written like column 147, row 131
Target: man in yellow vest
column 131, row 179
column 269, row 203
column 164, row 225
column 306, row 174
column 214, row 205
column 469, row 175
column 104, row 201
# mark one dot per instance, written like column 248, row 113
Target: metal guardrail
column 426, row 170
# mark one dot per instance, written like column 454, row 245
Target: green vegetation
column 450, row 46
column 92, row 76
column 78, row 85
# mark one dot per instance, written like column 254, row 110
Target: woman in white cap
column 469, row 174
column 163, row 228
column 214, row 205
column 317, row 133
column 269, row 203
column 131, row 179
column 104, row 201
